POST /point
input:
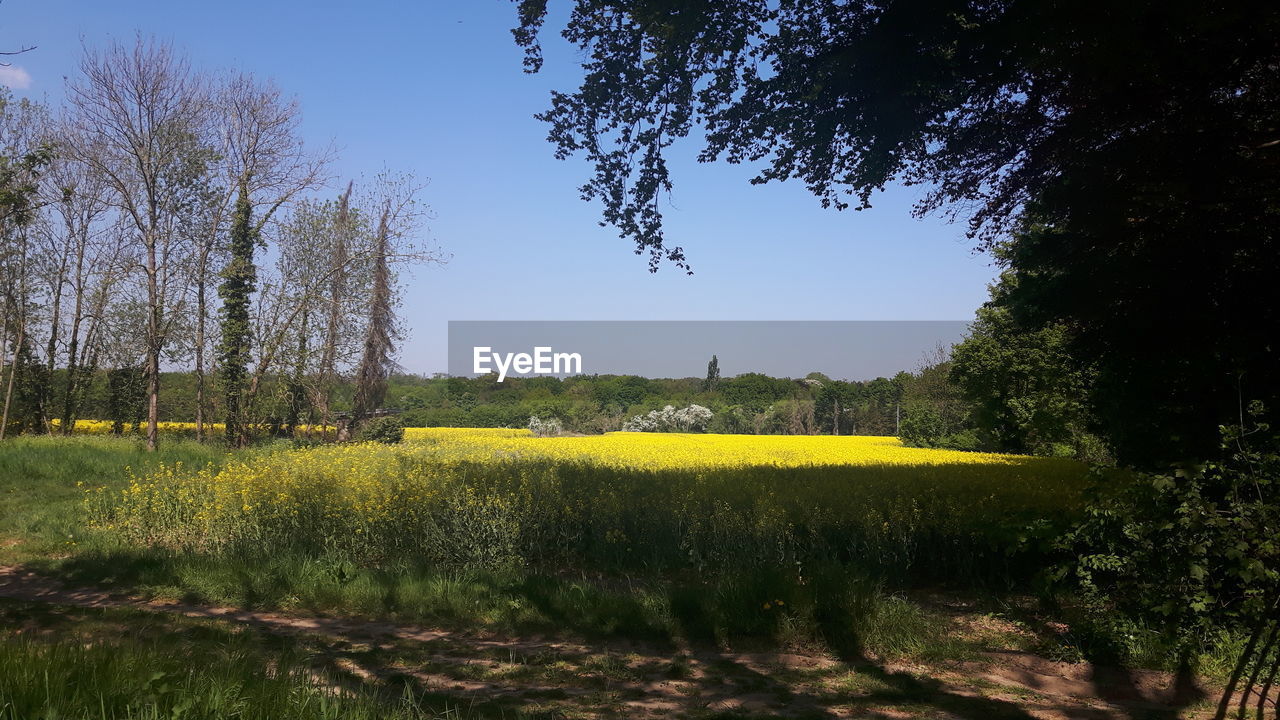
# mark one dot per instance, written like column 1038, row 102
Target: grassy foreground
column 805, row 544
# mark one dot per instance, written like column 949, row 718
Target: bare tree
column 338, row 273
column 138, row 113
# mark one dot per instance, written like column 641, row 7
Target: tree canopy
column 1122, row 156
column 986, row 103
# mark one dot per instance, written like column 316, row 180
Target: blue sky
column 437, row 88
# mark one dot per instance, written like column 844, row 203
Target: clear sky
column 437, row 88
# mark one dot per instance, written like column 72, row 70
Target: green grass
column 829, row 608
column 132, row 664
column 41, row 501
column 118, row 664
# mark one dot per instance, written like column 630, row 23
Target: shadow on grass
column 667, row 622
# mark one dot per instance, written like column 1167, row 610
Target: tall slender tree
column 338, row 272
column 713, row 374
column 377, row 361
column 238, row 282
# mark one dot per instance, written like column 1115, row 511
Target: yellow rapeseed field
column 678, row 450
column 183, row 429
column 620, row 501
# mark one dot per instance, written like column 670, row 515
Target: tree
column 339, row 271
column 935, row 412
column 1026, row 391
column 399, row 217
column 1139, row 138
column 238, row 281
column 261, row 162
column 377, row 361
column 713, row 375
column 23, row 157
column 78, row 229
column 138, row 114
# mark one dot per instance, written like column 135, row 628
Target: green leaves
column 1187, row 550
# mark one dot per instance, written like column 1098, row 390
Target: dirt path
column 622, row 679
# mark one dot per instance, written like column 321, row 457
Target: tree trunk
column 153, row 348
column 73, row 341
column 201, row 310
column 55, row 317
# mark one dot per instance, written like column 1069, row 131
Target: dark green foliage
column 239, row 279
column 388, row 429
column 126, row 397
column 1169, row 297
column 713, row 374
column 924, row 426
column 31, row 390
column 756, row 392
column 1025, row 390
column 1189, row 550
column 934, row 412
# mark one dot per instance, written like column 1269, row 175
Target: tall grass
column 42, row 480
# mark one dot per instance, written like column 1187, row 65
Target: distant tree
column 126, row 397
column 935, row 412
column 713, row 375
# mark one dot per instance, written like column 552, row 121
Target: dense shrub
column 1188, row 551
column 388, row 430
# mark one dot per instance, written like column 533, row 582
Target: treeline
column 750, row 403
column 166, row 217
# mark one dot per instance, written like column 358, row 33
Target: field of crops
column 617, row 502
column 166, row 429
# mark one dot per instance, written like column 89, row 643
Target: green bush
column 1187, row 552
column 387, row 430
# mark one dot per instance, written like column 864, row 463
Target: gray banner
column 848, row 350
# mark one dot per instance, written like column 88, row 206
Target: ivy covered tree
column 239, row 279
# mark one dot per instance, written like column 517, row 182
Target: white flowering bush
column 690, row 419
column 544, row 428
